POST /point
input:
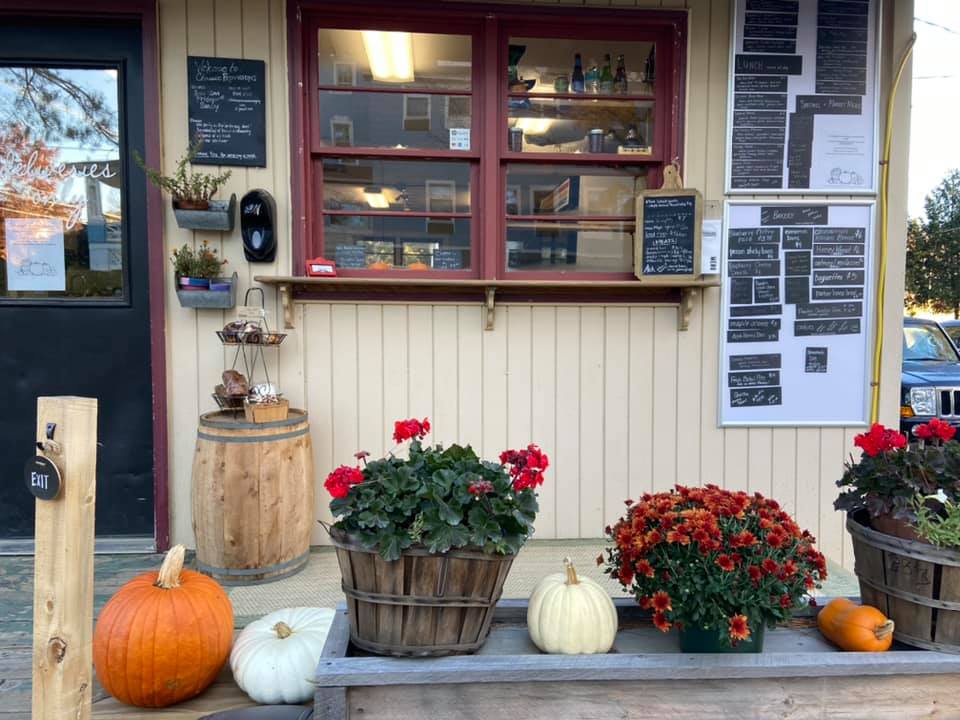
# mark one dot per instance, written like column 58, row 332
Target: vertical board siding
column 621, row 400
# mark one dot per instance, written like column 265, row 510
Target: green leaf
column 447, row 513
column 445, row 537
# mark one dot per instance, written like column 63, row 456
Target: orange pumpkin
column 378, row 265
column 418, row 266
column 164, row 636
column 858, row 628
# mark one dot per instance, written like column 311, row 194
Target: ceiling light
column 534, row 125
column 390, row 55
column 375, row 198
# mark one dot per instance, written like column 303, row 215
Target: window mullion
column 494, row 117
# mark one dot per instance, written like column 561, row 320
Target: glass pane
column 370, row 185
column 395, row 120
column 572, row 190
column 382, row 243
column 549, row 65
column 543, row 124
column 372, row 58
column 570, row 246
column 60, row 183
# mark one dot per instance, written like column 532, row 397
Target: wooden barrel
column 253, row 501
column 424, row 604
column 915, row 584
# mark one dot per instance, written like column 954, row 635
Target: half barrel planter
column 915, row 584
column 253, row 497
column 424, row 604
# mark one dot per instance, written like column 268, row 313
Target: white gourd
column 275, row 658
column 571, row 615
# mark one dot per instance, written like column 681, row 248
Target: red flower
column 644, row 603
column 879, row 439
column 526, row 466
column 786, row 601
column 625, row 573
column 660, row 622
column 724, row 562
column 755, row 573
column 776, row 538
column 769, row 566
column 789, row 568
column 661, row 602
column 645, row 568
column 339, row 481
column 742, row 539
column 739, row 628
column 482, row 487
column 410, row 429
column 936, row 428
column 676, row 536
column 600, row 559
column 653, row 537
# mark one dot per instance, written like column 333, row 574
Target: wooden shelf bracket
column 491, row 291
column 688, row 297
column 286, row 302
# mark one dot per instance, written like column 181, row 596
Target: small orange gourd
column 858, row 628
column 164, row 636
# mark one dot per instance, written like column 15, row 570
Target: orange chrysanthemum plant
column 709, row 558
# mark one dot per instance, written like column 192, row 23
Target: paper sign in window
column 35, row 255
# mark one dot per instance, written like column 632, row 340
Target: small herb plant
column 940, row 527
column 710, row 558
column 186, row 186
column 201, row 263
column 437, row 497
column 891, row 472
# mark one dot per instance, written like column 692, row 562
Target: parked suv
column 930, row 377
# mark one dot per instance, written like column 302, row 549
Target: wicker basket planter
column 915, row 584
column 423, row 604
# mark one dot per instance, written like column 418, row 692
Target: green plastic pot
column 707, row 640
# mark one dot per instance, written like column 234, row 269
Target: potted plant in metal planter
column 192, row 194
column 719, row 565
column 197, row 275
column 425, row 541
column 901, row 499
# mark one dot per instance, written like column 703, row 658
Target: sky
column 934, row 130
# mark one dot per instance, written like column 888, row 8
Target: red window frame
column 490, row 27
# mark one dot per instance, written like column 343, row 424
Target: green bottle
column 606, row 77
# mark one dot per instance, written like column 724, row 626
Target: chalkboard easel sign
column 227, row 110
column 667, row 235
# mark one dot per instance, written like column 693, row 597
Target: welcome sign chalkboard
column 226, row 109
column 667, row 236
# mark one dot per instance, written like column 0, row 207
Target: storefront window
column 414, row 167
column 61, row 217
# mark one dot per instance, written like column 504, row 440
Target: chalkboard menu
column 226, row 108
column 796, row 340
column 667, row 239
column 803, row 110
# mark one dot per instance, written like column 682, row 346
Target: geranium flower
column 739, row 628
column 724, row 562
column 936, row 428
column 339, row 482
column 410, row 429
column 482, row 487
column 661, row 602
column 879, row 439
column 526, row 466
column 660, row 622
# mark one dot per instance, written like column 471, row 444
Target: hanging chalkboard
column 226, row 109
column 667, row 238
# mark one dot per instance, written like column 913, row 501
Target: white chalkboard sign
column 797, row 305
column 667, row 236
column 803, row 91
column 226, row 110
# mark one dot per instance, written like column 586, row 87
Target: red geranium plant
column 710, row 558
column 892, row 473
column 438, row 497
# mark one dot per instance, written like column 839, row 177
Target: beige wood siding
column 621, row 400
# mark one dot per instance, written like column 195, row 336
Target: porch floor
column 317, row 585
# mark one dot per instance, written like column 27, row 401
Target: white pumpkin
column 275, row 658
column 571, row 615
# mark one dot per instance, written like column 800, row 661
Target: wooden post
column 63, row 564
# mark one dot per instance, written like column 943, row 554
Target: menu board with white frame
column 796, row 313
column 803, row 89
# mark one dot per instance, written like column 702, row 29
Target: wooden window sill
column 681, row 294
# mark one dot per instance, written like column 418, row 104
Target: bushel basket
column 915, row 584
column 423, row 604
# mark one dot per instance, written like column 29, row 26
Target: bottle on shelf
column 593, row 77
column 620, row 80
column 577, row 83
column 606, row 77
